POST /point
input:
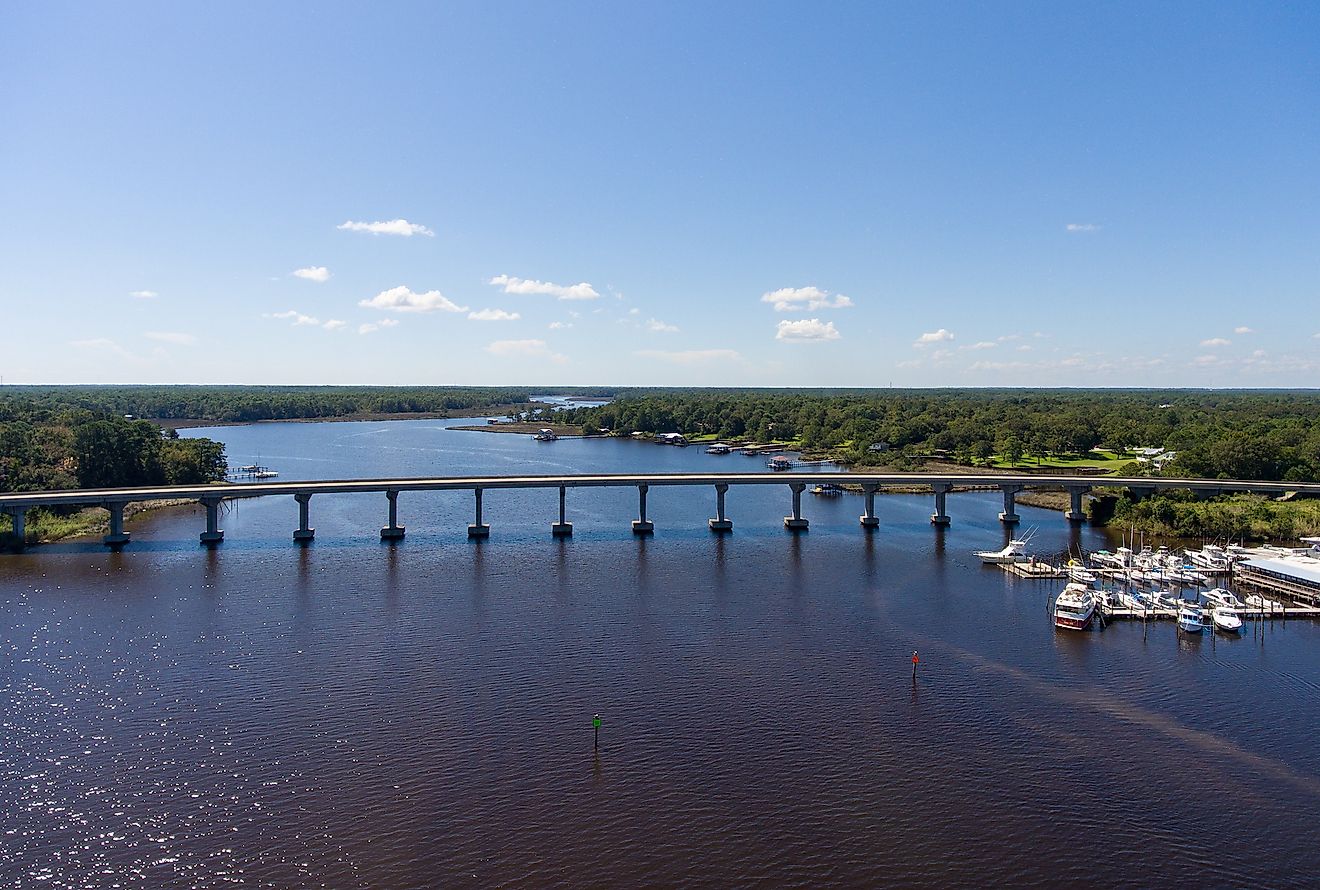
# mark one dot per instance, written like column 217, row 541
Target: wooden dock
column 1033, row 569
column 1154, row 614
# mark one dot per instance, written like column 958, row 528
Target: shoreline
column 187, row 423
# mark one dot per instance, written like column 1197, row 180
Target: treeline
column 50, row 449
column 239, row 404
column 1242, row 435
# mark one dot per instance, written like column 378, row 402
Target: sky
column 730, row 194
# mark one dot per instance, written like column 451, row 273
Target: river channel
column 358, row 714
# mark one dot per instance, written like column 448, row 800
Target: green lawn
column 1104, row 459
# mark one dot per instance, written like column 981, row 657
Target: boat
column 1136, row 600
column 545, row 435
column 1256, row 601
column 779, row 463
column 1079, row 573
column 1166, row 599
column 1190, row 619
column 718, row 448
column 1221, row 597
column 1016, row 551
column 1074, row 608
column 828, row 489
column 1226, row 619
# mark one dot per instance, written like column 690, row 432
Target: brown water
column 360, row 715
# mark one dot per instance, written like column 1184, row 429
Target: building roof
column 1307, row 570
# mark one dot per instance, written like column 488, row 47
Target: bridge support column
column 1141, row 492
column 1010, row 508
column 563, row 528
column 795, row 522
column 941, row 489
column 304, row 533
column 478, row 529
column 720, row 523
column 393, row 531
column 869, row 519
column 1075, row 512
column 213, row 534
column 641, row 525
column 117, row 537
column 19, row 517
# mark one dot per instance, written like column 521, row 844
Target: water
column 360, row 715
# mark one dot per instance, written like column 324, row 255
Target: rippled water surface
column 355, row 714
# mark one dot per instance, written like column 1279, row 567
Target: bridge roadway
column 211, row 496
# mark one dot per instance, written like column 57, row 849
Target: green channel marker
column 595, row 725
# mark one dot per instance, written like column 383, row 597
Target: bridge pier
column 941, row 489
column 869, row 519
column 563, row 528
column 1010, row 507
column 720, row 523
column 796, row 523
column 641, row 525
column 1075, row 512
column 478, row 529
column 117, row 537
column 393, row 531
column 213, row 534
column 304, row 533
column 19, row 517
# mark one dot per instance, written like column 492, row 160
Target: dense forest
column 1216, row 434
column 241, row 404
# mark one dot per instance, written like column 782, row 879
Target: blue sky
column 665, row 194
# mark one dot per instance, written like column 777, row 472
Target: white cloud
column 984, row 344
column 401, row 299
column 804, row 299
column 690, row 356
column 370, row 326
column 524, row 349
column 313, row 273
column 171, row 337
column 1216, row 341
column 580, row 291
column 806, row 329
column 298, row 319
column 334, row 324
column 1243, row 330
column 933, row 337
column 660, row 327
column 493, row 315
column 392, row 227
column 1082, row 227
column 560, row 325
column 634, row 311
column 143, row 294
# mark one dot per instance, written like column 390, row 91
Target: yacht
column 1016, row 551
column 1221, row 597
column 1075, row 607
column 1256, row 601
column 1226, row 619
column 1190, row 618
column 1080, row 573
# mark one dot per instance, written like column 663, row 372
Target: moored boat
column 1221, row 597
column 829, row 490
column 1190, row 619
column 779, row 462
column 545, row 435
column 1226, row 619
column 718, row 448
column 1016, row 551
column 1074, row 609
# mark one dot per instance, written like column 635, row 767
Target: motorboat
column 1136, row 600
column 718, row 448
column 779, row 462
column 1256, row 601
column 1074, row 608
column 1221, row 597
column 1166, row 599
column 545, row 435
column 1190, row 619
column 828, row 489
column 1226, row 619
column 1016, row 551
column 1079, row 573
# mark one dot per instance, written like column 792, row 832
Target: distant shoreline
column 173, row 423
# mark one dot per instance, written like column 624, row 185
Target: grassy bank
column 45, row 527
column 1231, row 517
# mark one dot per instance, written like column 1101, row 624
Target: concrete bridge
column 212, row 496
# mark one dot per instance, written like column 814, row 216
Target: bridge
column 211, row 497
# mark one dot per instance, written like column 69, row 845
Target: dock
column 1033, row 569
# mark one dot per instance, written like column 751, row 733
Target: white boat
column 780, row 463
column 1075, row 607
column 1190, row 618
column 545, row 435
column 1221, row 597
column 1079, row 573
column 718, row 448
column 829, row 490
column 1016, row 551
column 1136, row 600
column 1256, row 601
column 1166, row 599
column 1226, row 619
